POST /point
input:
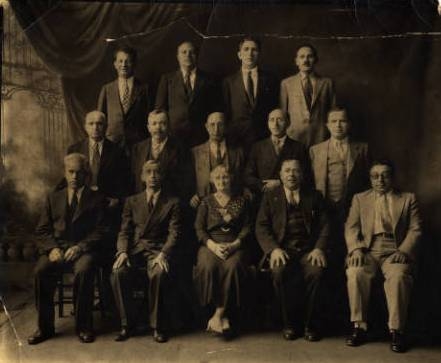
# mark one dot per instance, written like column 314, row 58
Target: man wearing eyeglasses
column 382, row 233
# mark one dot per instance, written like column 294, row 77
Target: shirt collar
column 245, row 71
column 344, row 141
column 160, row 143
column 93, row 142
column 213, row 143
column 150, row 194
column 304, row 75
column 281, row 140
column 192, row 72
column 130, row 80
column 70, row 193
column 289, row 192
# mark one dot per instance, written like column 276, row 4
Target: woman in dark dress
column 222, row 226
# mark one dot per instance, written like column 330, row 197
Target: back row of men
column 246, row 97
column 299, row 229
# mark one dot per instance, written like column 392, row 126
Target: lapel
column 59, row 208
column 397, row 207
column 105, row 155
column 135, row 93
column 114, row 90
column 83, row 204
column 321, row 166
column 354, row 151
column 261, row 82
column 306, row 206
column 280, row 204
column 140, row 204
column 238, row 81
column 232, row 157
column 270, row 154
column 179, row 86
column 198, row 84
column 155, row 213
column 318, row 87
column 298, row 90
column 203, row 167
column 367, row 207
column 145, row 152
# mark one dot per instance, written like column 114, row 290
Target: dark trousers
column 158, row 283
column 46, row 273
column 296, row 286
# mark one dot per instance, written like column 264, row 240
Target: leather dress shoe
column 39, row 337
column 86, row 337
column 289, row 334
column 357, row 337
column 312, row 335
column 398, row 343
column 123, row 334
column 159, row 336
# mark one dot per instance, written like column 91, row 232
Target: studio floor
column 198, row 346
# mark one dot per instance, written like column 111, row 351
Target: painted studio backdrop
column 383, row 55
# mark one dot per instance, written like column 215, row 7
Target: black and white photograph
column 220, row 181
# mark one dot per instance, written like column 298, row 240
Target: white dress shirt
column 313, row 80
column 214, row 146
column 192, row 76
column 378, row 225
column 70, row 193
column 292, row 196
column 122, row 86
column 152, row 196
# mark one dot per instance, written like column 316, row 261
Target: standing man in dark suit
column 383, row 232
column 262, row 170
column 292, row 230
column 150, row 233
column 69, row 232
column 307, row 98
column 166, row 150
column 249, row 95
column 125, row 101
column 188, row 95
column 212, row 153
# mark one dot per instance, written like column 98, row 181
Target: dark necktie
column 307, row 89
column 95, row 164
column 150, row 205
column 250, row 88
column 218, row 153
column 187, row 84
column 73, row 206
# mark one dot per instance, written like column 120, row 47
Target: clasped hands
column 357, row 258
column 280, row 257
column 71, row 254
column 223, row 250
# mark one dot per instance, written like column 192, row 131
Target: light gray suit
column 307, row 125
column 359, row 233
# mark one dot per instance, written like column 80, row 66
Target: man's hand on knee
column 161, row 260
column 121, row 260
column 56, row 255
column 278, row 258
column 356, row 258
column 72, row 253
column 399, row 257
column 317, row 258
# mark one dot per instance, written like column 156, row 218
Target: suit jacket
column 157, row 231
column 405, row 218
column 247, row 122
column 113, row 174
column 201, row 166
column 358, row 168
column 272, row 218
column 307, row 126
column 264, row 163
column 87, row 223
column 188, row 113
column 174, row 161
column 129, row 128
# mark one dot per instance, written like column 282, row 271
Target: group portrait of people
column 207, row 183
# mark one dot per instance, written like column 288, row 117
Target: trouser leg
column 122, row 287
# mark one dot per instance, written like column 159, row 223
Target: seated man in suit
column 125, row 101
column 166, row 151
column 212, row 153
column 249, row 95
column 307, row 98
column 188, row 95
column 69, row 232
column 262, row 170
column 150, row 232
column 382, row 233
column 292, row 230
column 341, row 169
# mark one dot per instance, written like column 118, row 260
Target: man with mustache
column 249, row 95
column 125, row 101
column 307, row 98
column 383, row 233
column 292, row 230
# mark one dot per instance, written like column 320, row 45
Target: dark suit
column 308, row 124
column 56, row 230
column 174, row 161
column 188, row 112
column 201, row 166
column 264, row 163
column 113, row 174
column 125, row 129
column 247, row 122
column 144, row 234
column 271, row 232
